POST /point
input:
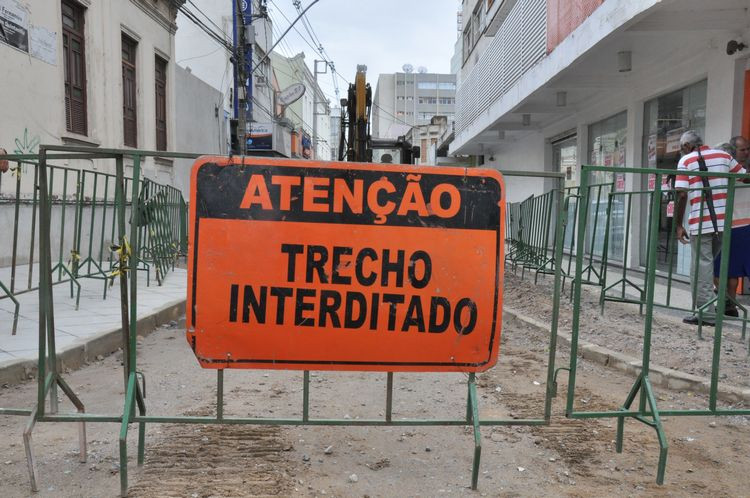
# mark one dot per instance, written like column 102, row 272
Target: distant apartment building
column 335, row 132
column 404, row 100
column 549, row 85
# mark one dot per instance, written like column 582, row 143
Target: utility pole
column 315, row 104
column 243, row 44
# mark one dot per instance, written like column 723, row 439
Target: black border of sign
column 194, row 284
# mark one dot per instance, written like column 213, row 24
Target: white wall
column 525, row 154
column 200, row 124
column 33, row 95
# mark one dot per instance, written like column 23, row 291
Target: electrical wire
column 206, row 29
column 226, row 35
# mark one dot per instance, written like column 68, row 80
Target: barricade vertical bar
column 43, row 281
column 389, row 397
column 650, row 284
column 577, row 284
column 30, row 460
column 104, row 224
column 605, row 251
column 50, row 318
column 559, row 241
column 132, row 265
column 62, row 224
column 79, row 221
column 220, row 394
column 722, row 292
column 473, row 403
column 33, row 225
column 16, row 213
column 306, row 396
column 91, row 222
column 127, row 415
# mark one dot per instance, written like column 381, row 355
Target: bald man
column 741, row 150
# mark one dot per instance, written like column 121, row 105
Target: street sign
column 335, row 266
column 291, row 94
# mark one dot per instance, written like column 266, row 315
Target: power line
column 207, row 29
column 335, row 72
column 226, row 35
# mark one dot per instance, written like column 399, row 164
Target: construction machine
column 356, row 144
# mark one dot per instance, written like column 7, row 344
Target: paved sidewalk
column 94, row 329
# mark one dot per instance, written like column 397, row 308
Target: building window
column 129, row 108
column 447, row 100
column 74, row 60
column 467, row 44
column 446, row 85
column 665, row 119
column 427, row 85
column 607, row 141
column 428, row 100
column 400, row 83
column 425, row 115
column 160, row 81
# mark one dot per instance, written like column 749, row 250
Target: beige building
column 89, row 72
column 311, row 125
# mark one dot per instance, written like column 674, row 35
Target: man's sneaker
column 693, row 320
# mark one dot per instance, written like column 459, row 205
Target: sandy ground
column 674, row 344
column 707, row 456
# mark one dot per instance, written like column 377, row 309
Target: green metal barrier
column 636, row 286
column 640, row 404
column 151, row 231
column 83, row 211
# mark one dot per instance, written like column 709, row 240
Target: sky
column 382, row 34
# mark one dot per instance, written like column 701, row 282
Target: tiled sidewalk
column 96, row 317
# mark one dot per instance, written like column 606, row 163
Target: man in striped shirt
column 706, row 218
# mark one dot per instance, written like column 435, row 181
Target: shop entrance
column 666, row 118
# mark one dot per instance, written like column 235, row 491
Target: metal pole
column 242, row 76
column 315, row 104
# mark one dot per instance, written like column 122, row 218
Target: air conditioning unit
column 260, row 80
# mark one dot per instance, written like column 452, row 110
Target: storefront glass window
column 607, row 140
column 565, row 157
column 666, row 118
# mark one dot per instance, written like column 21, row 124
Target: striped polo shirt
column 716, row 161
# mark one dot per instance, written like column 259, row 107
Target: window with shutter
column 74, row 61
column 129, row 108
column 160, row 81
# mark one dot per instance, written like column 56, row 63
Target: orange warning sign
column 339, row 266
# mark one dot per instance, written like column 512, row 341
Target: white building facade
column 209, row 61
column 85, row 72
column 549, row 85
column 408, row 99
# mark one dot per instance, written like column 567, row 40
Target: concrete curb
column 79, row 353
column 660, row 376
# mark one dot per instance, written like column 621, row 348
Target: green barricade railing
column 83, row 208
column 640, row 404
column 154, row 211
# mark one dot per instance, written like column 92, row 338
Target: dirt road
column 571, row 458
